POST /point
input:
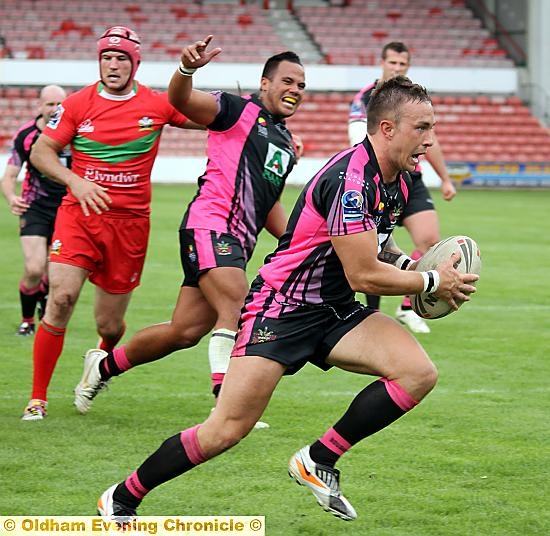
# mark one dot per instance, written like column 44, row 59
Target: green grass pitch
column 472, row 459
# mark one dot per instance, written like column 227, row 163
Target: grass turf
column 471, row 459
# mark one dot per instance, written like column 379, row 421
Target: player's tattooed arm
column 391, row 254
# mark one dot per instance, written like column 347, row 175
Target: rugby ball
column 428, row 305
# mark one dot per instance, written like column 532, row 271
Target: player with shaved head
column 36, row 208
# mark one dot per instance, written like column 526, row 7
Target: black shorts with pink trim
column 38, row 220
column 420, row 198
column 203, row 249
column 292, row 334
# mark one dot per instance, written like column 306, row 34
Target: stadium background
column 483, row 62
column 472, row 460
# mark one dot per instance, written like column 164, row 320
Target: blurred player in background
column 250, row 154
column 420, row 218
column 36, row 208
column 301, row 308
column 102, row 227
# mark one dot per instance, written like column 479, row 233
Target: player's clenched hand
column 195, row 55
column 454, row 286
column 18, row 206
column 448, row 190
column 90, row 195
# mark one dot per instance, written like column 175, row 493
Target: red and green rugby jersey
column 114, row 141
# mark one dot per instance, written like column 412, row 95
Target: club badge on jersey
column 352, row 204
column 55, row 118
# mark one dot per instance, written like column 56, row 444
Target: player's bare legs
column 225, row 288
column 193, row 317
column 216, row 303
column 245, row 393
column 109, row 314
column 35, row 257
column 66, row 282
column 380, row 347
column 191, row 320
column 423, row 228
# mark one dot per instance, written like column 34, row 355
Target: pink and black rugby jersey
column 347, row 196
column 250, row 154
column 115, row 142
column 36, row 187
column 358, row 106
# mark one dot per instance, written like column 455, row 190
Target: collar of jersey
column 255, row 98
column 102, row 93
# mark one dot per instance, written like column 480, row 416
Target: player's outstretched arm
column 199, row 106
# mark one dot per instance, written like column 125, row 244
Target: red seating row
column 485, row 128
column 449, row 33
column 500, row 128
column 40, row 30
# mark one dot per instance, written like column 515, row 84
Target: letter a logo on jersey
column 276, row 160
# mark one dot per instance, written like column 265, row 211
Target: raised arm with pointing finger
column 250, row 153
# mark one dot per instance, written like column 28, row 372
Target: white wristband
column 403, row 262
column 185, row 71
column 431, row 280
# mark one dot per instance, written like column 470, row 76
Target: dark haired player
column 250, row 154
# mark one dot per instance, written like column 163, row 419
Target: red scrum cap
column 122, row 39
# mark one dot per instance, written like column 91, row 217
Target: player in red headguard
column 102, row 227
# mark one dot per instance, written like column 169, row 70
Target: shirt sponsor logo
column 353, row 176
column 85, row 126
column 145, row 123
column 55, row 118
column 352, row 203
column 276, row 164
column 95, row 175
column 223, row 248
